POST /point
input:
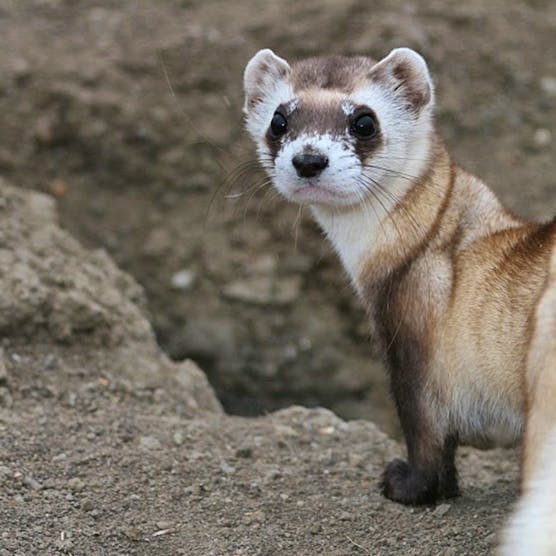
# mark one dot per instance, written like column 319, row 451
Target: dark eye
column 278, row 125
column 364, row 126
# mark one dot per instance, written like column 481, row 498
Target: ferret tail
column 532, row 528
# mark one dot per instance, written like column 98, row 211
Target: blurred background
column 129, row 114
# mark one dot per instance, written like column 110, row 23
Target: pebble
column 245, row 452
column 158, row 242
column 4, row 472
column 264, row 290
column 149, row 443
column 491, row 539
column 178, row 438
column 183, row 280
column 227, row 469
column 548, row 85
column 345, row 516
column 31, row 483
column 441, row 510
column 273, row 474
column 87, row 505
column 76, row 484
column 315, row 529
column 542, row 137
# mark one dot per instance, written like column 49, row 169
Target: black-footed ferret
column 460, row 293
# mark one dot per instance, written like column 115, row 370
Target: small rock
column 87, row 505
column 345, row 516
column 265, row 264
column 76, row 484
column 183, row 279
column 4, row 472
column 149, row 443
column 315, row 529
column 31, row 483
column 265, row 290
column 258, row 516
column 163, row 524
column 158, row 242
column 58, row 188
column 178, row 438
column 273, row 474
column 133, row 533
column 227, row 469
column 542, row 137
column 491, row 539
column 245, row 452
column 441, row 510
column 51, row 361
column 548, row 85
column 21, row 69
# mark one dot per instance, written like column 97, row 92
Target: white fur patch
column 259, row 117
column 339, row 177
column 348, row 108
column 532, row 528
column 475, row 409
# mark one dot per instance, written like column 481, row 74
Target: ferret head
column 334, row 131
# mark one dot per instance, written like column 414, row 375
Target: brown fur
column 492, row 269
column 340, row 73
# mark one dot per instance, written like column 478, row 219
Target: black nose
column 309, row 165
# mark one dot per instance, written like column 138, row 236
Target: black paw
column 403, row 483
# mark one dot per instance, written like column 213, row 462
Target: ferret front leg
column 429, row 473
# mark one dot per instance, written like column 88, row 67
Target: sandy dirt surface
column 110, row 444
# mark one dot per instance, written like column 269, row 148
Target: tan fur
column 487, row 273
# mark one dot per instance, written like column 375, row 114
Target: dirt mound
column 67, row 315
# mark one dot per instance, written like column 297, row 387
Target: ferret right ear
column 406, row 73
column 261, row 76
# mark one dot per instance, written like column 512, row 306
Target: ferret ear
column 406, row 73
column 261, row 75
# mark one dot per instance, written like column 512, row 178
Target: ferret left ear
column 406, row 73
column 263, row 72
